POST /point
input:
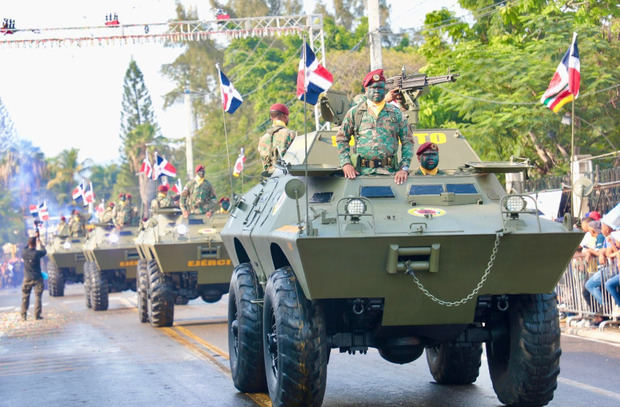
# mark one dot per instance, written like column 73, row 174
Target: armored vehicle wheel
column 98, row 289
column 55, row 282
column 160, row 297
column 142, row 281
column 87, row 283
column 452, row 363
column 294, row 343
column 245, row 330
column 524, row 364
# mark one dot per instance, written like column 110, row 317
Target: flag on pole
column 564, row 86
column 89, row 194
column 314, row 79
column 34, row 210
column 100, row 208
column 238, row 167
column 78, row 192
column 163, row 167
column 43, row 214
column 177, row 188
column 146, row 167
column 231, row 98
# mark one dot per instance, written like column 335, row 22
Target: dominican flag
column 314, row 79
column 78, row 192
column 239, row 163
column 564, row 86
column 42, row 209
column 146, row 167
column 163, row 167
column 89, row 194
column 177, row 188
column 231, row 98
column 34, row 210
column 100, row 208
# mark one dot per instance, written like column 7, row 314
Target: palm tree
column 65, row 170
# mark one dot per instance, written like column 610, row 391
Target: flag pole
column 308, row 227
column 572, row 157
column 225, row 135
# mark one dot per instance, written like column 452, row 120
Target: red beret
column 121, row 195
column 63, row 218
column 162, row 188
column 111, row 204
column 128, row 196
column 373, row 76
column 279, row 107
column 224, row 199
column 429, row 145
column 200, row 167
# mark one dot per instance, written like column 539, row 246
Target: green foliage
column 65, row 171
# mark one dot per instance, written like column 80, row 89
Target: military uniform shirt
column 63, row 229
column 274, row 143
column 122, row 215
column 375, row 137
column 76, row 227
column 198, row 198
column 158, row 203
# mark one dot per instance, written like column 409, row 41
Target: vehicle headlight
column 355, row 207
column 515, row 204
column 113, row 238
column 182, row 229
column 66, row 245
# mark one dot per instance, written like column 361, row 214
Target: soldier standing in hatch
column 198, row 196
column 33, row 278
column 62, row 230
column 161, row 200
column 277, row 139
column 122, row 212
column 377, row 127
column 76, row 224
column 428, row 156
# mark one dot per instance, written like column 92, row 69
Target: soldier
column 62, row 229
column 161, row 200
column 108, row 214
column 198, row 196
column 224, row 205
column 377, row 127
column 428, row 156
column 76, row 224
column 277, row 139
column 122, row 212
column 33, row 277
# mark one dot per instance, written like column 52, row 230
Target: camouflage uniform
column 375, row 138
column 198, row 198
column 122, row 214
column 108, row 215
column 273, row 144
column 63, row 229
column 161, row 202
column 76, row 226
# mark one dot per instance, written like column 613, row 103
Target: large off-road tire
column 454, row 363
column 524, row 364
column 245, row 331
column 142, row 281
column 160, row 297
column 87, row 282
column 55, row 280
column 98, row 289
column 294, row 343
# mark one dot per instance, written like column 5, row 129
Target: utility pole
column 376, row 59
column 189, row 157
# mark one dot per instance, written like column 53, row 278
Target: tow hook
column 502, row 303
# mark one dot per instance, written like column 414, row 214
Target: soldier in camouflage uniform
column 428, row 156
column 161, row 200
column 277, row 139
column 122, row 212
column 108, row 214
column 198, row 196
column 62, row 230
column 76, row 224
column 377, row 127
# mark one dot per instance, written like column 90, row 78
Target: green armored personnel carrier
column 65, row 263
column 440, row 264
column 111, row 263
column 180, row 259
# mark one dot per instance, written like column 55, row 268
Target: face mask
column 200, row 175
column 376, row 92
column 429, row 160
column 161, row 195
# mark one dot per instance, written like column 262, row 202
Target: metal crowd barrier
column 575, row 301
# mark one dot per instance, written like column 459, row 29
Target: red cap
column 279, row 107
column 595, row 215
column 121, row 195
column 373, row 76
column 111, row 204
column 162, row 188
column 224, row 199
column 63, row 218
column 128, row 196
column 429, row 145
column 200, row 167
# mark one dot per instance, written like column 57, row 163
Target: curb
column 611, row 335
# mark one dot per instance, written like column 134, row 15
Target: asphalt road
column 78, row 357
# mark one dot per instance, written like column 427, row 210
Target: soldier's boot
column 38, row 292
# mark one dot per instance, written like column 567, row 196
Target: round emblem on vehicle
column 207, row 231
column 423, row 212
column 375, row 77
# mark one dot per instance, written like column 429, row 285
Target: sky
column 70, row 97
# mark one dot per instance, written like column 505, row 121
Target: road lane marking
column 592, row 340
column 201, row 341
column 592, row 389
column 11, row 308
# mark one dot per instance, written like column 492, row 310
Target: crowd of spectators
column 11, row 267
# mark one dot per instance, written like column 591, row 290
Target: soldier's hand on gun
column 349, row 171
column 401, row 176
column 393, row 95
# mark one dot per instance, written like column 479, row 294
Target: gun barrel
column 434, row 80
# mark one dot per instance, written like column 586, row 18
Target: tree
column 65, row 172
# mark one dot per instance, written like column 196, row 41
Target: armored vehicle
column 65, row 263
column 111, row 263
column 439, row 263
column 180, row 259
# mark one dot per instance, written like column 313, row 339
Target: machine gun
column 411, row 87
